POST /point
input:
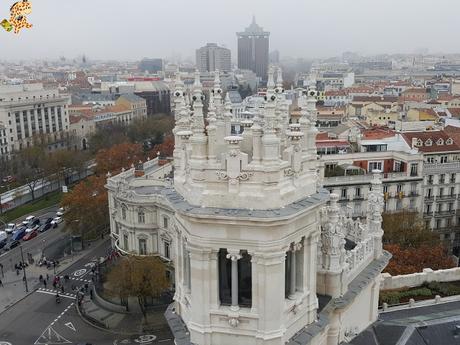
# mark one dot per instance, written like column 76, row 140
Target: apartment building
column 3, row 141
column 441, row 183
column 30, row 111
column 350, row 176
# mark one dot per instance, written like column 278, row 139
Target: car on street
column 19, row 234
column 32, row 228
column 3, row 238
column 57, row 220
column 36, row 221
column 28, row 220
column 49, row 220
column 11, row 245
column 10, row 228
column 3, row 244
column 60, row 212
column 45, row 227
column 30, row 235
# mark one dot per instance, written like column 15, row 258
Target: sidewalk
column 13, row 289
column 125, row 323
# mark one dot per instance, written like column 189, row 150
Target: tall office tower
column 211, row 57
column 151, row 65
column 257, row 253
column 253, row 46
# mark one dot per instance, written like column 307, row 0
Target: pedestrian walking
column 44, row 283
column 47, row 277
column 40, row 278
column 54, row 284
column 62, row 288
column 91, row 293
column 1, row 283
column 86, row 287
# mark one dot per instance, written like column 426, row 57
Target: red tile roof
column 455, row 112
column 377, row 133
column 434, row 136
column 376, row 99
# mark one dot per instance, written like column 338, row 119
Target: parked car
column 57, row 220
column 30, row 235
column 3, row 244
column 3, row 236
column 32, row 228
column 49, row 220
column 19, row 234
column 36, row 221
column 11, row 245
column 45, row 227
column 28, row 220
column 10, row 228
column 60, row 212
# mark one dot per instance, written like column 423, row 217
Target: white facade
column 28, row 111
column 259, row 259
column 211, row 57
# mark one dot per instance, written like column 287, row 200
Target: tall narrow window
column 235, row 278
column 167, row 250
column 123, row 212
column 141, row 216
column 125, row 242
column 165, row 222
column 225, row 278
column 142, row 246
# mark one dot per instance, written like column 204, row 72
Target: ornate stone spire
column 332, row 237
column 218, row 95
column 197, row 98
column 375, row 207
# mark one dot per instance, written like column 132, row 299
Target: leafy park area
column 426, row 291
column 48, row 200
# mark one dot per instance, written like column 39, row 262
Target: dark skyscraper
column 253, row 46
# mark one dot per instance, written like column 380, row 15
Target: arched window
column 440, row 142
column 141, row 216
column 449, row 141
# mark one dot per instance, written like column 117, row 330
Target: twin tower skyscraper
column 253, row 53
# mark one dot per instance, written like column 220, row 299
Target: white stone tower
column 259, row 258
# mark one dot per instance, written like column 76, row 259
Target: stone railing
column 433, row 168
column 388, row 282
column 366, row 178
column 358, row 257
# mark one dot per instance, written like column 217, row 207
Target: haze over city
column 234, row 172
column 116, row 29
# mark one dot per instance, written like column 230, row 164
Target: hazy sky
column 132, row 29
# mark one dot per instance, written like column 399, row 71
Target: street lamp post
column 24, row 270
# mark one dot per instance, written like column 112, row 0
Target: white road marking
column 51, row 337
column 80, row 272
column 71, row 326
column 53, row 292
column 5, row 343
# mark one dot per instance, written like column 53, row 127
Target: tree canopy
column 140, row 277
column 413, row 245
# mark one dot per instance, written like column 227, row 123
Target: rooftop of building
column 377, row 133
column 376, row 99
column 432, row 324
column 431, row 141
column 133, row 98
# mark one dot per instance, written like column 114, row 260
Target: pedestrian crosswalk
column 80, row 280
column 54, row 292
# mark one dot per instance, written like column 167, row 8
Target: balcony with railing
column 441, row 168
column 367, row 178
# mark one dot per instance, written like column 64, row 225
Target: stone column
column 188, row 270
column 234, row 256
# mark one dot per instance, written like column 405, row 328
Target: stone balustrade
column 389, row 282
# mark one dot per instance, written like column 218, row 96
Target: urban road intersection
column 38, row 320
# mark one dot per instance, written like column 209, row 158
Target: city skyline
column 177, row 29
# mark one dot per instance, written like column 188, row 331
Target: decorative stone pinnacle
column 233, row 139
column 294, row 135
column 185, row 135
